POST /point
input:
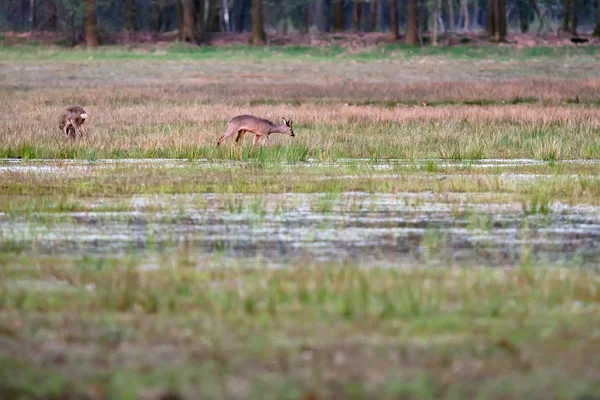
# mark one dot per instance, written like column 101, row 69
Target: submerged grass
column 571, row 182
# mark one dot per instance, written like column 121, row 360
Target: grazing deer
column 72, row 122
column 261, row 128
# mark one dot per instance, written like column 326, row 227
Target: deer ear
column 290, row 122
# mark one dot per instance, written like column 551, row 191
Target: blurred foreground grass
column 106, row 328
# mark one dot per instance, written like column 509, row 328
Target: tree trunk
column 412, row 23
column 163, row 17
column 130, row 14
column 465, row 10
column 319, row 15
column 451, row 20
column 538, row 14
column 226, row 18
column 491, row 17
column 394, row 20
column 199, row 17
column 436, row 22
column 240, row 11
column 597, row 30
column 213, row 18
column 268, row 13
column 357, row 15
column 497, row 19
column 179, row 14
column 33, row 16
column 566, row 15
column 306, row 18
column 154, row 16
column 380, row 15
column 73, row 30
column 258, row 31
column 373, row 15
column 501, row 18
column 574, row 18
column 91, row 24
column 53, row 19
column 190, row 32
column 338, row 15
column 425, row 25
column 22, row 11
column 284, row 18
column 523, row 10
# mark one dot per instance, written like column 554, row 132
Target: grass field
column 404, row 105
column 431, row 231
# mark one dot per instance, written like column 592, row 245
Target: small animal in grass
column 260, row 127
column 72, row 122
column 579, row 40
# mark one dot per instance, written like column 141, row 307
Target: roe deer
column 259, row 126
column 72, row 122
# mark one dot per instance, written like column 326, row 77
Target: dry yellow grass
column 423, row 107
column 270, row 90
column 356, row 131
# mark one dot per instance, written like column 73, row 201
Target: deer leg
column 83, row 129
column 71, row 133
column 75, row 128
column 256, row 139
column 63, row 125
column 240, row 135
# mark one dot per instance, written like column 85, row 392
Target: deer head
column 288, row 127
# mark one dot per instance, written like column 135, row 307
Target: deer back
column 76, row 112
column 251, row 124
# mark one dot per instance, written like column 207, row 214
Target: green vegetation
column 378, row 254
column 452, row 140
column 571, row 182
column 422, row 107
column 183, row 52
column 251, row 332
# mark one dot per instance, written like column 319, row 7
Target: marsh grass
column 165, row 320
column 465, row 134
column 549, row 149
column 458, row 151
column 247, row 319
column 431, row 166
column 538, row 203
column 570, row 182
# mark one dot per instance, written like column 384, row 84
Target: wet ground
column 396, row 230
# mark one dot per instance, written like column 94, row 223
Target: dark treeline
column 193, row 20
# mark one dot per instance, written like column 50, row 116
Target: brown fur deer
column 72, row 122
column 261, row 128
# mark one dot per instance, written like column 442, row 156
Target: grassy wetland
column 432, row 231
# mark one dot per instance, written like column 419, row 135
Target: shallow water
column 383, row 229
column 42, row 166
column 369, row 229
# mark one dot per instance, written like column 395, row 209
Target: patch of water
column 49, row 166
column 385, row 229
